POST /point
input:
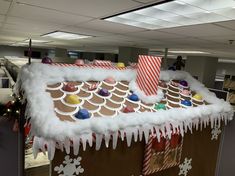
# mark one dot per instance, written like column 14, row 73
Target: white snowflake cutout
column 215, row 133
column 185, row 166
column 69, row 167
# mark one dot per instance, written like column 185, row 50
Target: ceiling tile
column 33, row 24
column 4, row 5
column 227, row 24
column 85, row 31
column 200, row 30
column 2, row 17
column 46, row 15
column 219, row 39
column 110, row 27
column 149, row 1
column 91, row 8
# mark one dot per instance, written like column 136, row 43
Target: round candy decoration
column 186, row 103
column 128, row 109
column 120, row 65
column 133, row 97
column 197, row 97
column 104, row 92
column 185, row 92
column 82, row 114
column 176, row 84
column 72, row 99
column 184, row 83
column 110, row 80
column 93, row 86
column 160, row 106
column 69, row 87
column 162, row 84
column 46, row 60
column 79, row 62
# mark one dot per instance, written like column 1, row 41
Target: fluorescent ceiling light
column 226, row 61
column 180, row 2
column 188, row 52
column 37, row 41
column 65, row 35
column 19, row 44
column 169, row 13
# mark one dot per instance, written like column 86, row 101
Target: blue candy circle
column 82, row 114
column 186, row 103
column 133, row 97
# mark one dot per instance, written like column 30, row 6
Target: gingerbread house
column 102, row 119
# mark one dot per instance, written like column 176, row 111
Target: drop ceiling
column 24, row 19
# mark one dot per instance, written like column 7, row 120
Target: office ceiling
column 23, row 19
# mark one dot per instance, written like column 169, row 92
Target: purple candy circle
column 104, row 92
column 184, row 83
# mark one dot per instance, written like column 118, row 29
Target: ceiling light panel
column 208, row 17
column 179, row 9
column 187, row 52
column 210, row 5
column 37, row 41
column 65, row 35
column 152, row 12
column 226, row 12
column 177, row 13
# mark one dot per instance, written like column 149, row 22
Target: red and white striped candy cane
column 148, row 73
column 147, row 156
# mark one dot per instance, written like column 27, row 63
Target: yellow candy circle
column 120, row 65
column 197, row 97
column 72, row 99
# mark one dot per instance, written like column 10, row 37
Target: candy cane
column 147, row 156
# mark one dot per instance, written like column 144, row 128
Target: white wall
column 126, row 54
column 226, row 69
column 203, row 67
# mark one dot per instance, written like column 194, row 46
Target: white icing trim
column 34, row 78
column 123, row 84
column 59, row 98
column 67, row 113
column 172, row 91
column 176, row 97
column 55, row 88
column 124, row 91
column 109, row 84
column 172, row 102
column 70, row 93
column 142, row 96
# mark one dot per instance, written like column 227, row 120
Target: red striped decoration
column 148, row 73
column 91, row 66
column 102, row 63
column 147, row 156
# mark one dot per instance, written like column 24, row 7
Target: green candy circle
column 160, row 106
